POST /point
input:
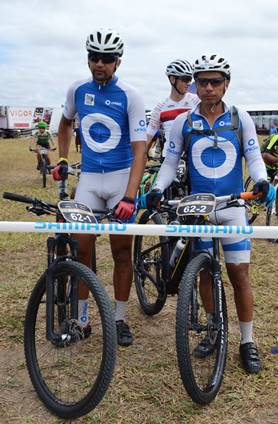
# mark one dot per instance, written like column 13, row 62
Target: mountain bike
column 43, row 162
column 176, row 189
column 272, row 212
column 70, row 366
column 172, row 266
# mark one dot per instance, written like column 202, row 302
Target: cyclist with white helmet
column 113, row 139
column 214, row 147
column 179, row 73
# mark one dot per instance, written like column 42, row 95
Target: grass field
column 146, row 387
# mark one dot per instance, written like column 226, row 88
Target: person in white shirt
column 179, row 73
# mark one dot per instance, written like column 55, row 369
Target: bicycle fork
column 218, row 316
column 61, row 294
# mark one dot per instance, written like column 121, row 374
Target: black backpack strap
column 236, row 124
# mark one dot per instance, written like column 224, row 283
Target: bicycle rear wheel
column 151, row 267
column 201, row 377
column 72, row 377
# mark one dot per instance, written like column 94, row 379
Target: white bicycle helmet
column 105, row 41
column 210, row 63
column 179, row 68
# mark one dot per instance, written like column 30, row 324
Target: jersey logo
column 108, row 103
column 197, row 125
column 101, row 133
column 226, row 162
column 89, row 99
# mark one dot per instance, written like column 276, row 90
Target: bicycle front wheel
column 252, row 206
column 201, row 375
column 151, row 267
column 43, row 171
column 72, row 377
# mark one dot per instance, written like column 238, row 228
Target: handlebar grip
column 248, row 195
column 18, row 197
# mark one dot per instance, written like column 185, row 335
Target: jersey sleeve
column 136, row 117
column 168, row 170
column 69, row 109
column 251, row 148
column 154, row 124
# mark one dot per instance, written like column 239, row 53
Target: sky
column 42, row 45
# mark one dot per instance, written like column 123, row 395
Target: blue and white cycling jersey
column 213, row 168
column 111, row 116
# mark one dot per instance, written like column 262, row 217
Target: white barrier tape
column 232, row 231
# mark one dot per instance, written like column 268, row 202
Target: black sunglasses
column 104, row 57
column 214, row 82
column 185, row 79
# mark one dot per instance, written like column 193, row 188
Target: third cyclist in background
column 179, row 73
column 42, row 138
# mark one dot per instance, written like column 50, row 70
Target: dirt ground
column 146, row 387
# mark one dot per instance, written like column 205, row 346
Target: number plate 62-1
column 74, row 211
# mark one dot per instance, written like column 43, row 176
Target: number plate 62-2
column 196, row 204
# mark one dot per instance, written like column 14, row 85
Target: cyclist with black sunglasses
column 214, row 162
column 113, row 139
column 179, row 73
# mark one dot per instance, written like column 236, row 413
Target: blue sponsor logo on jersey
column 252, row 145
column 142, row 126
column 108, row 103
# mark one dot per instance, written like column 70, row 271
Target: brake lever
column 37, row 210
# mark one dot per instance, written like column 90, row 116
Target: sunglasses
column 185, row 79
column 214, row 82
column 104, row 57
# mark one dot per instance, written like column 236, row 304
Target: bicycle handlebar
column 38, row 205
column 248, row 195
column 245, row 195
column 18, row 197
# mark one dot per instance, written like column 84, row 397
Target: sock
column 83, row 312
column 246, row 332
column 120, row 310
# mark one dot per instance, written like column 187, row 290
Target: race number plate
column 43, row 151
column 196, row 204
column 74, row 211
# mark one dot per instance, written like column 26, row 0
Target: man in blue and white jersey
column 214, row 150
column 113, row 139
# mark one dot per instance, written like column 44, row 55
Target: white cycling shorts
column 102, row 190
column 235, row 250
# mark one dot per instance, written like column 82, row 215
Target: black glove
column 262, row 186
column 153, row 198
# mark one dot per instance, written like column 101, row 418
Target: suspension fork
column 217, row 284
